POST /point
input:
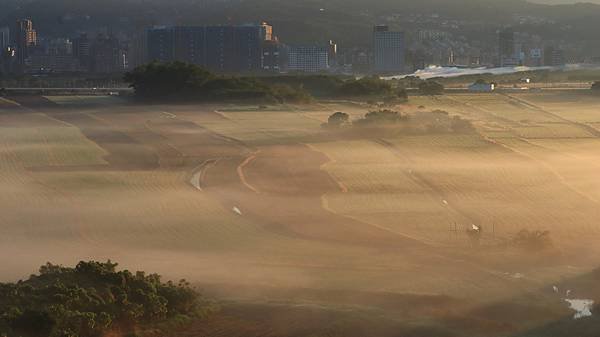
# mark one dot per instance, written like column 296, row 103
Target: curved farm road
column 281, row 186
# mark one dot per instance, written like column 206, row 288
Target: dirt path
column 240, row 171
column 291, row 184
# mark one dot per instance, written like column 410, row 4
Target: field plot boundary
column 324, row 166
column 242, row 176
column 591, row 130
column 343, row 189
column 548, row 167
column 421, row 180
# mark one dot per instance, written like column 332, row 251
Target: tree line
column 179, row 81
column 91, row 300
column 437, row 121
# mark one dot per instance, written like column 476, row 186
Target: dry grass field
column 364, row 230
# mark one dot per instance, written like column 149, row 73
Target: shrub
column 288, row 94
column 314, row 85
column 533, row 240
column 381, row 117
column 338, row 119
column 365, row 86
column 431, row 88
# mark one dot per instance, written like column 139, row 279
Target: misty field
column 243, row 200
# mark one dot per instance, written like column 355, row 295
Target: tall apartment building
column 160, row 44
column 388, row 50
column 309, row 59
column 4, row 38
column 82, row 50
column 274, row 56
column 218, row 48
column 248, row 47
column 507, row 51
column 6, row 53
column 24, row 38
column 107, row 55
column 188, row 44
column 553, row 57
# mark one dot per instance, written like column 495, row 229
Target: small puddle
column 583, row 308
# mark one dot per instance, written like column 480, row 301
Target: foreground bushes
column 92, row 299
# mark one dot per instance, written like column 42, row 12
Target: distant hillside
column 347, row 21
column 563, row 2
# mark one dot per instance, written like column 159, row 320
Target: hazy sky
column 563, row 1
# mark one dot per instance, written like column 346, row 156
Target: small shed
column 482, row 87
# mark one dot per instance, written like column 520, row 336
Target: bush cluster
column 431, row 88
column 380, row 117
column 366, row 86
column 184, row 81
column 533, row 239
column 90, row 300
column 437, row 121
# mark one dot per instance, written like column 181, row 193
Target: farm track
column 420, row 179
column 291, row 185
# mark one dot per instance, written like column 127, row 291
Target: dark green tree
column 159, row 80
column 366, row 86
column 33, row 323
column 91, row 299
column 381, row 117
column 338, row 119
column 431, row 88
column 187, row 82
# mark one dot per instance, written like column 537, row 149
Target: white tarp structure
column 583, row 308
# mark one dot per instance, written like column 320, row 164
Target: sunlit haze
column 299, row 168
